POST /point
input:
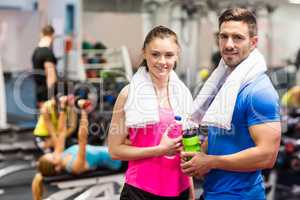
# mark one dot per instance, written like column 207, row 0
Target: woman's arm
column 79, row 164
column 192, row 189
column 73, row 120
column 119, row 148
column 51, row 129
column 61, row 138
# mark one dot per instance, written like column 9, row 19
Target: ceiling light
column 294, row 1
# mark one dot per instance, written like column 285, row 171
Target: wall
column 115, row 30
column 19, row 32
column 286, row 29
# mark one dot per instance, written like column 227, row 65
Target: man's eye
column 155, row 54
column 222, row 37
column 238, row 38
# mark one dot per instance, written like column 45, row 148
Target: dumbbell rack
column 114, row 60
column 108, row 70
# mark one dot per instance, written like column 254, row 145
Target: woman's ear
column 143, row 54
column 58, row 168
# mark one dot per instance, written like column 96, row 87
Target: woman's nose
column 162, row 60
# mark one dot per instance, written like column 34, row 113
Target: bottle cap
column 190, row 133
column 178, row 118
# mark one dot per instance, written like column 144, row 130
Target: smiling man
column 232, row 158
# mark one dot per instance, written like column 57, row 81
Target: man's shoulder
column 44, row 50
column 261, row 86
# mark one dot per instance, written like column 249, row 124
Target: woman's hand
column 84, row 104
column 63, row 101
column 192, row 195
column 170, row 146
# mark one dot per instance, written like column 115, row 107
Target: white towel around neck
column 141, row 107
column 215, row 103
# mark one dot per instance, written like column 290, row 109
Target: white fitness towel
column 215, row 103
column 141, row 107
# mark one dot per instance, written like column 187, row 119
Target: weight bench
column 100, row 184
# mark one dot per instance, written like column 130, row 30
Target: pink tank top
column 161, row 175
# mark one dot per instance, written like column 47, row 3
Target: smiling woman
column 147, row 122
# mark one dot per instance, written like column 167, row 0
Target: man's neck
column 45, row 41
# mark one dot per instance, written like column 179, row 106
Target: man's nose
column 229, row 43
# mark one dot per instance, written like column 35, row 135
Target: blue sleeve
column 262, row 106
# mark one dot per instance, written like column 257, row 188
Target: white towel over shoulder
column 141, row 107
column 215, row 103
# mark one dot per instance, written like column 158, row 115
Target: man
column 44, row 65
column 216, row 56
column 232, row 159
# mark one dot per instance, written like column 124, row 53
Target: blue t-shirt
column 256, row 103
column 96, row 156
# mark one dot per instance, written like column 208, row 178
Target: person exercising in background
column 216, row 56
column 47, row 127
column 291, row 99
column 44, row 65
column 76, row 159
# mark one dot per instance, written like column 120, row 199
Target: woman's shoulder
column 123, row 95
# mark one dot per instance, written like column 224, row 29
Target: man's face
column 235, row 42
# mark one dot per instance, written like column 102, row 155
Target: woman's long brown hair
column 37, row 187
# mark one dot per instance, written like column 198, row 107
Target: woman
column 46, row 130
column 144, row 112
column 76, row 159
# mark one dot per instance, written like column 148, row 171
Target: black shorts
column 132, row 193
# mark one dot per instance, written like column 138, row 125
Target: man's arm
column 267, row 141
column 50, row 73
column 263, row 155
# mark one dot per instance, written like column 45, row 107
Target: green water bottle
column 190, row 140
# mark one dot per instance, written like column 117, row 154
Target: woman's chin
column 163, row 75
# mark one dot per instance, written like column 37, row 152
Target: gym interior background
column 98, row 43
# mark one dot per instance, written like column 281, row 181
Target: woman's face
column 161, row 56
column 55, row 160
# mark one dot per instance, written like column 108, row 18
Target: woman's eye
column 155, row 54
column 169, row 55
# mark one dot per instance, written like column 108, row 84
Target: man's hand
column 199, row 164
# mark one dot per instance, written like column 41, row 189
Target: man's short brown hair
column 240, row 14
column 48, row 30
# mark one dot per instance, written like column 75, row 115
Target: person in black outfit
column 297, row 61
column 216, row 56
column 44, row 65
